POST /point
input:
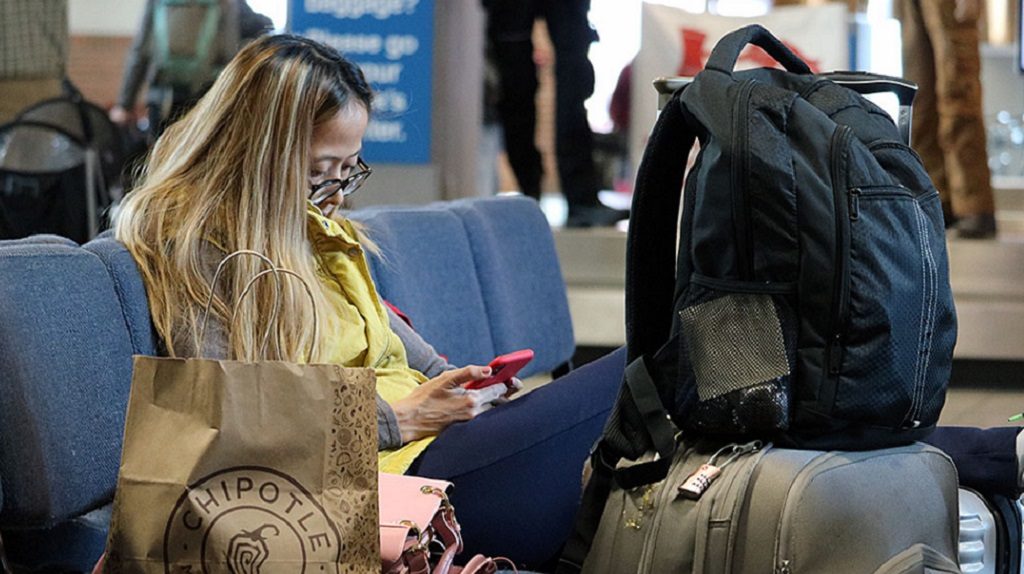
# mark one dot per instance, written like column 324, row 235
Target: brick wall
column 95, row 64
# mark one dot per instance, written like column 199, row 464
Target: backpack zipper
column 929, row 303
column 912, row 419
column 846, row 207
column 740, row 202
column 783, row 563
column 873, row 191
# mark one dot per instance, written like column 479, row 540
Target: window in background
column 276, row 10
column 739, row 8
column 618, row 24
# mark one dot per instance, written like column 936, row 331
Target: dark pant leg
column 517, row 468
column 571, row 36
column 986, row 459
column 509, row 31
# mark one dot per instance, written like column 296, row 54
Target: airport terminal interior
column 438, row 145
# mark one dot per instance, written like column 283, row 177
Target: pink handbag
column 416, row 518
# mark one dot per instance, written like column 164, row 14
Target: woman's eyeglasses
column 325, row 190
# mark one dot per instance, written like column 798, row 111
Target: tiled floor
column 984, row 393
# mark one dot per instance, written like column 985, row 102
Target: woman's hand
column 441, row 401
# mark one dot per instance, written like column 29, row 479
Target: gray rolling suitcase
column 783, row 511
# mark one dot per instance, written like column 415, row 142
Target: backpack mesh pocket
column 735, row 348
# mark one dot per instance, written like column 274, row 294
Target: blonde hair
column 232, row 174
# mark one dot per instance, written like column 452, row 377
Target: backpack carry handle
column 727, row 52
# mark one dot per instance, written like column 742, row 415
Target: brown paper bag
column 246, row 468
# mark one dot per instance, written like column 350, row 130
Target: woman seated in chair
column 262, row 163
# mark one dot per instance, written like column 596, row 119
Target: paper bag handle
column 213, row 288
column 309, row 292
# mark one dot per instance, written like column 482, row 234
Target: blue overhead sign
column 392, row 41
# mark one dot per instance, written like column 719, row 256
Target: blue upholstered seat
column 65, row 363
column 427, row 271
column 520, row 279
column 131, row 292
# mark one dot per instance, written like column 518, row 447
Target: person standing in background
column 509, row 31
column 210, row 48
column 33, row 52
column 941, row 55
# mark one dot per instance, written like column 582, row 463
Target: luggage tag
column 700, row 480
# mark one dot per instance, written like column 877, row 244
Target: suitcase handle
column 865, row 83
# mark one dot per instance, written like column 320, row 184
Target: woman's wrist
column 408, row 428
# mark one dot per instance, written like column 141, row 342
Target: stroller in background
column 60, row 165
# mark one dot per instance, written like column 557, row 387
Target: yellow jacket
column 356, row 330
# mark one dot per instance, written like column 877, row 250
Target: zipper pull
column 835, row 355
column 783, row 567
column 750, row 447
column 854, row 201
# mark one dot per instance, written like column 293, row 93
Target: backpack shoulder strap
column 651, row 242
column 641, row 395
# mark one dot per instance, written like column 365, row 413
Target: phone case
column 503, row 368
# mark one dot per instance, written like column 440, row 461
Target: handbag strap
column 416, row 559
column 447, row 529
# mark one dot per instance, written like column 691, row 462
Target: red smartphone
column 503, row 368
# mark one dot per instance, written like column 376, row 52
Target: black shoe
column 978, row 226
column 595, row 216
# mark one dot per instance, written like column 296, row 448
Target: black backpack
column 809, row 302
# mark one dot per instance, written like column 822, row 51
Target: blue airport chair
column 65, row 363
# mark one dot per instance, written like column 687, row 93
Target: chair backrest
column 478, row 277
column 427, row 271
column 131, row 292
column 520, row 278
column 65, row 363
